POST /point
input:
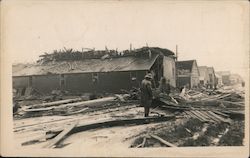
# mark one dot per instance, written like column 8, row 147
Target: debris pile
column 196, row 118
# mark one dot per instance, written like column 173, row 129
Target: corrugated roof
column 185, row 65
column 87, row 65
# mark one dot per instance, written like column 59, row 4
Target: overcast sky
column 214, row 33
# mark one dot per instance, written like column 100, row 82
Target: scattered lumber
column 198, row 116
column 55, row 103
column 220, row 118
column 162, row 140
column 120, row 122
column 60, row 136
column 234, row 103
column 211, row 118
column 89, row 103
column 220, row 113
column 204, row 116
column 236, row 114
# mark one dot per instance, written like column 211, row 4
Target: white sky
column 214, row 33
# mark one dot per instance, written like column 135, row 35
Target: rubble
column 201, row 118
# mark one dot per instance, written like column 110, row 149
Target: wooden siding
column 195, row 76
column 169, row 70
column 109, row 82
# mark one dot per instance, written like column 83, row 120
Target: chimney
column 149, row 54
column 130, row 47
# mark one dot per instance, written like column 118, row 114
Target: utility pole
column 176, row 70
column 176, row 52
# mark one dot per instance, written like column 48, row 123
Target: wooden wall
column 110, row 82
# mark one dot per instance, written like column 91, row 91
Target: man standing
column 146, row 93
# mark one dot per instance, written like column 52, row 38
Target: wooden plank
column 55, row 103
column 204, row 116
column 121, row 122
column 209, row 116
column 220, row 118
column 60, row 136
column 194, row 116
column 96, row 102
column 174, row 100
column 220, row 113
column 162, row 140
column 38, row 139
column 198, row 116
column 234, row 103
column 142, row 144
column 76, row 112
column 201, row 115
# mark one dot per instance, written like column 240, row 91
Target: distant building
column 235, row 79
column 187, row 73
column 212, row 78
column 109, row 73
column 219, row 82
column 225, row 77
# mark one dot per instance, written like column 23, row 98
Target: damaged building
column 102, row 72
column 187, row 73
column 207, row 77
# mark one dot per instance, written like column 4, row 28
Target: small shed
column 187, row 73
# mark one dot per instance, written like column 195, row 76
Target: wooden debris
column 55, row 103
column 207, row 118
column 96, row 102
column 142, row 144
column 174, row 100
column 120, row 122
column 60, row 136
column 162, row 140
column 212, row 118
column 220, row 118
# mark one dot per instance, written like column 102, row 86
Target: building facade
column 187, row 73
column 110, row 75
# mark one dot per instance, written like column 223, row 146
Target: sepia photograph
column 125, row 78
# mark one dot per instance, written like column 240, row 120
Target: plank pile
column 206, row 116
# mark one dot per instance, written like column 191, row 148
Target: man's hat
column 149, row 76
